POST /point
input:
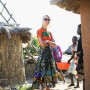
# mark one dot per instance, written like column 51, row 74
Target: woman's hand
column 47, row 41
column 43, row 43
column 52, row 44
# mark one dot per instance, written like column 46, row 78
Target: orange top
column 46, row 35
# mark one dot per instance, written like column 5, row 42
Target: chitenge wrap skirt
column 45, row 69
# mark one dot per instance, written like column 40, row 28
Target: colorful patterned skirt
column 45, row 70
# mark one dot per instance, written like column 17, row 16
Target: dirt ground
column 63, row 86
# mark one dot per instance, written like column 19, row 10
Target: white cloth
column 72, row 68
column 74, row 47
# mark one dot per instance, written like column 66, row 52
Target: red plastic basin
column 63, row 65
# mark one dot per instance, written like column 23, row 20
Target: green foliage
column 30, row 48
column 25, row 88
column 34, row 41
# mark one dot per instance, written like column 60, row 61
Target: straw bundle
column 11, row 63
column 70, row 5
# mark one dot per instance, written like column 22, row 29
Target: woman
column 45, row 70
column 72, row 70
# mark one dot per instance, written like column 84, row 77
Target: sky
column 29, row 13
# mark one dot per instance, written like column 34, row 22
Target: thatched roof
column 9, row 31
column 69, row 5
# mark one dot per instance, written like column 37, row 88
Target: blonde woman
column 45, row 70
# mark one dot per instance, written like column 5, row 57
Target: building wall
column 85, row 21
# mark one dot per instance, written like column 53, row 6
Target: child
column 57, row 54
column 72, row 70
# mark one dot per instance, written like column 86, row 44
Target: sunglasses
column 45, row 19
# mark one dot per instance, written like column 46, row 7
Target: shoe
column 76, row 87
column 71, row 85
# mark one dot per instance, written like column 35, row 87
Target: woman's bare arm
column 46, row 43
column 42, row 43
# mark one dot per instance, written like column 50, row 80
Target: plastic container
column 63, row 65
